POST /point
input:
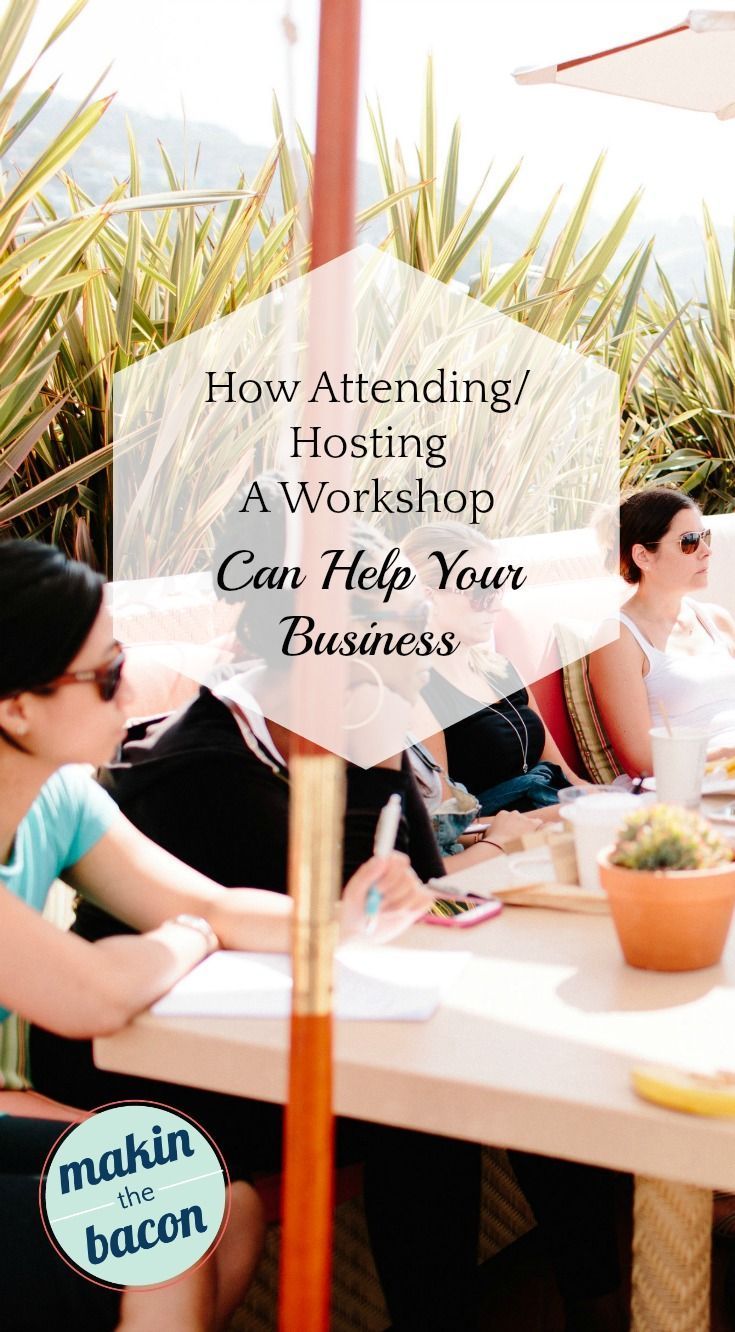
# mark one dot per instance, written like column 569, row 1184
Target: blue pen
column 385, row 840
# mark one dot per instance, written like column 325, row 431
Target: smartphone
column 462, row 911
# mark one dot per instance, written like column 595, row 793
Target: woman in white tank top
column 673, row 653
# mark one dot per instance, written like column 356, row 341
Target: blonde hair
column 450, row 538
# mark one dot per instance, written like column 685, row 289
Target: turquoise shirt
column 69, row 815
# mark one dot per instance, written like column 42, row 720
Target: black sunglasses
column 107, row 678
column 480, row 598
column 689, row 541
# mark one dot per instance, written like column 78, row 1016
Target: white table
column 533, row 1050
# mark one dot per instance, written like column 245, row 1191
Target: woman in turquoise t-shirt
column 63, row 704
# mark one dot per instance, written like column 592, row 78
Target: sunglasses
column 480, row 598
column 689, row 541
column 107, row 678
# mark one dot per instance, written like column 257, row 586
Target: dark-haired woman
column 212, row 785
column 62, row 705
column 673, row 651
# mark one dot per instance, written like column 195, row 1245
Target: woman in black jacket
column 212, row 781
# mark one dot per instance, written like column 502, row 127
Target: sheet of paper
column 385, row 984
column 514, row 871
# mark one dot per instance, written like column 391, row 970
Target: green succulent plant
column 661, row 837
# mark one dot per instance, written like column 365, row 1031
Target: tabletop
column 532, row 1049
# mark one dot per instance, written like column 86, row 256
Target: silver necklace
column 522, row 739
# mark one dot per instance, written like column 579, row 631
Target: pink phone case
column 485, row 910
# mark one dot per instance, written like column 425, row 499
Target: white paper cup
column 569, row 794
column 678, row 764
column 595, row 821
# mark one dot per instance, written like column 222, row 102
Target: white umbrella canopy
column 690, row 65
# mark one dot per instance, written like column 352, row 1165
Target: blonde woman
column 486, row 730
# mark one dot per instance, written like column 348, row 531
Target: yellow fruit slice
column 694, row 1093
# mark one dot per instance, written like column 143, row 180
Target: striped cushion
column 595, row 748
column 14, row 1063
column 15, row 1069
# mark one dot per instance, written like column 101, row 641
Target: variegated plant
column 83, row 295
column 86, row 293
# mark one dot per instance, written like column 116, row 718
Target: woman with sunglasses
column 211, row 784
column 63, row 703
column 487, row 731
column 673, row 652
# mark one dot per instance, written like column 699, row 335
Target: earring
column 375, row 674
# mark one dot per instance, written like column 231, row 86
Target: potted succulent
column 670, row 879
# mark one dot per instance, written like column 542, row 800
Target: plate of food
column 725, row 814
column 719, row 777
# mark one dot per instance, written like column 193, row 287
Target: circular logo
column 135, row 1195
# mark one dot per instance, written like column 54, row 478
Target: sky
column 221, row 59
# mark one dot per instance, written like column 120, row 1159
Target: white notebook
column 519, row 870
column 385, row 984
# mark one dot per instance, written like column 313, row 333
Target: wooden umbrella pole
column 317, row 798
column 317, row 811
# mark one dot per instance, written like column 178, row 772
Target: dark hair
column 264, row 533
column 48, row 605
column 645, row 517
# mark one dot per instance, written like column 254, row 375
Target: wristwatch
column 202, row 927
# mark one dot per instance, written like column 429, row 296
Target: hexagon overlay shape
column 432, row 409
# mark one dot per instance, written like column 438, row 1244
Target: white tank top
column 696, row 690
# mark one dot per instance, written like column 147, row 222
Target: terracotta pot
column 670, row 920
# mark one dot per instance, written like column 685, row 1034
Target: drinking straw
column 662, row 709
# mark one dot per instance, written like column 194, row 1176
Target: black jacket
column 191, row 784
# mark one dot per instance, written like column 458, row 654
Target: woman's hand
column 722, row 756
column 404, row 900
column 509, row 824
column 143, row 885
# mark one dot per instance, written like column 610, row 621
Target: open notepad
column 492, row 877
column 403, row 984
column 523, row 879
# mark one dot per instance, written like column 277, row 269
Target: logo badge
column 135, row 1195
